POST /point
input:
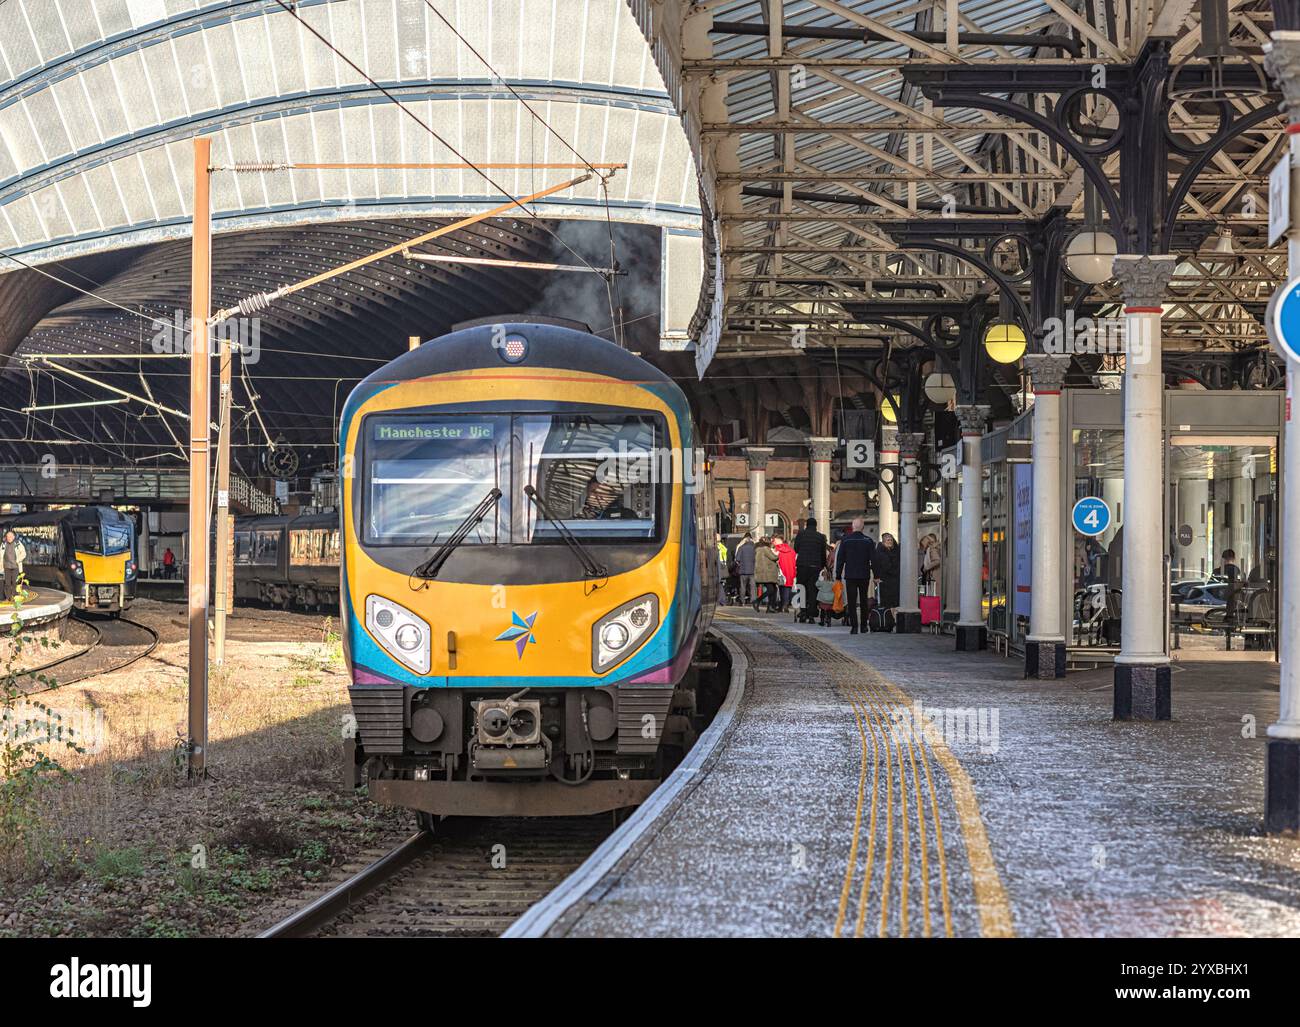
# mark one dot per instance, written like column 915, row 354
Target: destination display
column 451, row 432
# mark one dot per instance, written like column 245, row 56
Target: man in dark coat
column 809, row 561
column 884, row 566
column 745, row 567
column 853, row 567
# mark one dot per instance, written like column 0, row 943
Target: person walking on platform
column 931, row 560
column 785, row 569
column 722, row 569
column 810, row 560
column 884, row 568
column 765, row 572
column 13, row 554
column 745, row 568
column 853, row 567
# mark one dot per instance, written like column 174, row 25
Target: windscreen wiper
column 589, row 565
column 431, row 567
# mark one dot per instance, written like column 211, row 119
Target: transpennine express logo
column 520, row 632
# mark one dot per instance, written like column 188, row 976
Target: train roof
column 75, row 514
column 552, row 343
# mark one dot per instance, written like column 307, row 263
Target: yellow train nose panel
column 103, row 570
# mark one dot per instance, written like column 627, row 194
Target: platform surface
column 44, row 604
column 830, row 813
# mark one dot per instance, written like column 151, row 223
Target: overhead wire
column 611, row 283
column 388, row 93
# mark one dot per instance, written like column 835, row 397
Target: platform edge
column 544, row 915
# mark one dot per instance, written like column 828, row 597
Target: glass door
column 1222, row 495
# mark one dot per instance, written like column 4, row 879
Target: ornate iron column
column 1045, row 646
column 820, row 452
column 908, row 618
column 757, row 458
column 887, row 516
column 1142, row 667
column 972, row 635
column 1282, row 776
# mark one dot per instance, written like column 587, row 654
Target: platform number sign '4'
column 1091, row 516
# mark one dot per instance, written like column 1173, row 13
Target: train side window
column 332, row 546
column 305, row 546
column 266, row 548
column 42, row 544
column 243, row 547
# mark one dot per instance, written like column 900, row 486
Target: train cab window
column 596, row 473
column 117, row 537
column 86, row 538
column 425, row 476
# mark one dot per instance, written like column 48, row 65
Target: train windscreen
column 425, row 476
column 596, row 475
column 107, row 538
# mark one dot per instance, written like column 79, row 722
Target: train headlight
column 407, row 638
column 512, row 349
column 404, row 635
column 619, row 633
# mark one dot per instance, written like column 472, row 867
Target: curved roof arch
column 94, row 134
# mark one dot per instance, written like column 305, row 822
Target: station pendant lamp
column 1090, row 254
column 940, row 388
column 1004, row 342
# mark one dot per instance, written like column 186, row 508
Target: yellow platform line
column 992, row 905
column 857, row 827
column 940, row 850
column 864, row 896
column 886, row 711
column 991, row 902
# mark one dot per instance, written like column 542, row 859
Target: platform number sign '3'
column 859, row 453
column 1091, row 516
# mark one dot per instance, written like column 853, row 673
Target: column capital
column 972, row 418
column 1144, row 281
column 909, row 444
column 758, row 456
column 822, row 448
column 1282, row 62
column 1047, row 371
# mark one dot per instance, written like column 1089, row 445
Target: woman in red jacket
column 785, row 564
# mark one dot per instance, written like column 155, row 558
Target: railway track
column 92, row 660
column 472, row 879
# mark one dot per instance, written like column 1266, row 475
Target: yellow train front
column 527, row 573
column 86, row 551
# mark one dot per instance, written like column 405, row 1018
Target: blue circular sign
column 1090, row 516
column 1282, row 320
